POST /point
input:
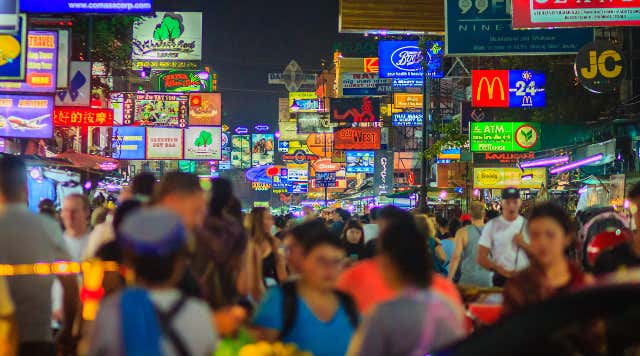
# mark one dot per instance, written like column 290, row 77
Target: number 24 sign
column 526, row 89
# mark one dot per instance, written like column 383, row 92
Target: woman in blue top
column 309, row 312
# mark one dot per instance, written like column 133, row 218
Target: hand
column 503, row 272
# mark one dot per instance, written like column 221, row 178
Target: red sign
column 575, row 13
column 82, row 116
column 357, row 138
column 490, row 88
column 371, row 65
column 325, row 165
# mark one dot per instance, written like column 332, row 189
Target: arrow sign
column 371, row 65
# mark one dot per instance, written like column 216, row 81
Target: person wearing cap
column 154, row 317
column 505, row 238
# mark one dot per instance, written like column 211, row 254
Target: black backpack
column 289, row 307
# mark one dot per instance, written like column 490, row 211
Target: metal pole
column 426, row 110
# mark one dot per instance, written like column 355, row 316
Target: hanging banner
column 360, row 162
column 13, row 48
column 574, row 13
column 26, row 116
column 350, row 110
column 357, row 138
column 504, row 136
column 182, row 81
column 241, row 151
column 383, row 174
column 167, row 40
column 78, row 92
column 403, row 59
column 81, row 116
column 205, row 109
column 262, row 149
column 129, row 142
column 164, row 143
column 42, row 62
column 155, row 109
column 505, row 177
column 358, row 84
column 202, row 143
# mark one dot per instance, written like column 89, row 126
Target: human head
column 390, row 214
column 182, row 194
column 154, row 241
column 323, row 254
column 123, row 211
column 309, row 213
column 477, row 211
column 294, row 252
column 511, row 203
column 442, row 223
column 404, row 254
column 260, row 223
column 374, row 213
column 142, row 186
column 353, row 233
column 13, row 180
column 341, row 215
column 75, row 214
column 634, row 198
column 47, row 207
column 550, row 232
column 454, row 226
column 221, row 194
column 425, row 225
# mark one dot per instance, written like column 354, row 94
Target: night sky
column 245, row 40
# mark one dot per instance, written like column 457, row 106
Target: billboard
column 509, row 158
column 358, row 84
column 357, row 138
column 403, row 59
column 312, row 122
column 129, row 142
column 167, row 39
column 407, row 101
column 205, row 109
column 505, row 177
column 600, row 66
column 241, row 151
column 13, row 49
column 164, row 143
column 407, row 119
column 574, row 13
column 298, row 172
column 155, row 109
column 504, row 136
column 325, row 179
column 508, row 88
column 486, row 29
column 360, row 161
column 42, row 64
column 301, row 95
column 350, row 110
column 182, row 81
column 78, row 92
column 262, row 149
column 26, row 116
column 383, row 173
column 82, row 116
column 203, row 142
column 86, row 6
column 395, row 17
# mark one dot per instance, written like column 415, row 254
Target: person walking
column 265, row 265
column 75, row 215
column 353, row 240
column 505, row 238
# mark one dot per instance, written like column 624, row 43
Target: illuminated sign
column 164, row 143
column 325, row 165
column 403, row 59
column 325, row 179
column 298, row 172
column 505, row 177
column 504, row 136
column 360, row 161
column 574, row 13
column 261, row 128
column 313, row 122
column 185, row 81
column 508, row 88
column 600, row 66
column 203, row 143
column 503, row 158
column 260, row 187
column 129, row 142
column 306, row 105
column 358, row 84
column 449, row 153
column 42, row 64
column 407, row 101
column 349, row 110
column 13, row 49
column 262, row 149
column 406, row 83
column 241, row 130
column 26, row 116
column 407, row 119
column 86, row 6
column 383, row 174
column 371, row 65
column 155, row 109
column 205, row 109
column 241, row 151
column 357, row 138
column 81, row 116
column 299, row 156
column 301, row 95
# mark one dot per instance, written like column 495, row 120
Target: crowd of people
column 197, row 276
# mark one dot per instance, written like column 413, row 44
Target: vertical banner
column 79, row 91
column 64, row 52
column 383, row 174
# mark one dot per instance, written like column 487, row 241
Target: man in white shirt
column 505, row 238
column 75, row 215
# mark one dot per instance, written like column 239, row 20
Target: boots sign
column 600, row 67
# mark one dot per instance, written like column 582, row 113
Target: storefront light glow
column 476, row 192
column 443, row 194
column 88, row 185
column 583, row 190
column 545, row 162
column 577, row 164
column 241, row 130
column 527, row 177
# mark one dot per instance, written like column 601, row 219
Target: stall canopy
column 92, row 162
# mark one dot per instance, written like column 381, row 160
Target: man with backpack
column 310, row 312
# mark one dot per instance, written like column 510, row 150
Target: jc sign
column 600, row 66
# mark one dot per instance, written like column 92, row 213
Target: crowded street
column 329, row 178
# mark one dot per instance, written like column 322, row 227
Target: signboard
column 574, row 13
column 181, row 81
column 407, row 101
column 449, row 154
column 600, row 67
column 129, row 142
column 508, row 88
column 86, row 6
column 359, row 84
column 289, row 131
column 164, row 143
column 309, row 122
column 407, row 119
column 371, row 65
column 99, row 69
column 301, row 95
column 404, row 83
column 262, row 149
column 320, row 144
column 64, row 52
column 12, row 62
column 470, row 114
column 241, row 151
column 298, row 172
column 203, row 142
column 81, row 116
column 350, row 110
column 166, row 39
column 78, row 92
column 509, row 158
column 260, row 187
column 42, row 62
column 9, row 16
column 325, row 179
column 205, row 109
column 357, row 138
column 306, row 105
column 485, row 29
column 155, row 109
column 325, row 165
column 504, row 136
column 403, row 59
column 360, row 161
column 505, row 177
column 26, row 116
column 383, row 173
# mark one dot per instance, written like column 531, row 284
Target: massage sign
column 350, row 110
column 357, row 138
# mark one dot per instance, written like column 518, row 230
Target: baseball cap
column 510, row 193
column 153, row 232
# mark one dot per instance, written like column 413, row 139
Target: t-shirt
column 621, row 256
column 192, row 323
column 76, row 246
column 498, row 235
column 28, row 238
column 321, row 338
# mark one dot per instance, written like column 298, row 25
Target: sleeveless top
column 472, row 273
column 269, row 271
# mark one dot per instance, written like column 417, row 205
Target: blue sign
column 403, row 59
column 298, row 188
column 283, row 146
column 407, row 119
column 13, row 47
column 325, row 179
column 26, row 116
column 360, row 161
column 86, row 6
column 526, row 89
column 485, row 29
column 129, row 142
column 407, row 83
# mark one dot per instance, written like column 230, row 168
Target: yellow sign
column 505, row 177
column 407, row 101
column 301, row 95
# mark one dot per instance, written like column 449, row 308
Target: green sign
column 182, row 81
column 504, row 136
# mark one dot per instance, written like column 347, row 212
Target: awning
column 87, row 161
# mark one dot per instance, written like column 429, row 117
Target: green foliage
column 111, row 39
column 204, row 139
column 169, row 29
column 449, row 136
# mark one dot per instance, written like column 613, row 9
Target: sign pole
column 426, row 111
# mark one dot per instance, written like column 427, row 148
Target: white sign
column 362, row 80
column 203, row 142
column 168, row 36
column 62, row 77
column 164, row 143
column 78, row 93
column 298, row 172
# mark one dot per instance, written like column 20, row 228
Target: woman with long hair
column 353, row 240
column 438, row 255
column 266, row 266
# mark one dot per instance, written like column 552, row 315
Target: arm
column 254, row 272
column 439, row 251
column 460, row 242
column 521, row 243
column 485, row 262
column 281, row 265
column 71, row 309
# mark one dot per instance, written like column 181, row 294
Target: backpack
column 289, row 307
